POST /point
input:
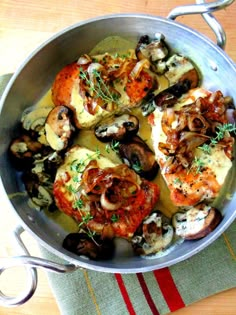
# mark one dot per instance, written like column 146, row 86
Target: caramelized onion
column 197, row 122
column 116, row 186
column 123, row 69
column 84, row 60
column 107, row 204
column 192, row 139
column 91, row 69
column 140, row 65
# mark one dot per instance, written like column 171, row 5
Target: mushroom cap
column 197, row 222
column 93, row 247
column 137, row 155
column 58, row 127
column 117, row 128
column 153, row 236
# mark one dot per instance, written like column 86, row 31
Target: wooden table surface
column 24, row 24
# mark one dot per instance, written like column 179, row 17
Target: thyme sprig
column 220, row 134
column 99, row 87
column 197, row 165
column 85, row 220
column 222, row 129
column 137, row 167
column 77, row 167
column 113, row 145
column 115, row 218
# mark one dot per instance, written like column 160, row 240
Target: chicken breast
column 193, row 146
column 97, row 87
column 111, row 200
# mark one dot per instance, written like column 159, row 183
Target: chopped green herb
column 78, row 204
column 177, row 181
column 114, row 146
column 72, row 189
column 115, row 218
column 206, row 148
column 77, row 166
column 198, row 165
column 137, row 167
column 76, row 179
column 223, row 129
column 220, row 134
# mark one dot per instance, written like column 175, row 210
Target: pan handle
column 205, row 9
column 30, row 263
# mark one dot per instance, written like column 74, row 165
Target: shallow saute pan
column 34, row 78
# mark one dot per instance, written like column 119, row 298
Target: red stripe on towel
column 147, row 294
column 168, row 288
column 124, row 294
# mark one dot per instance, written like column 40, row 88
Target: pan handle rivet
column 213, row 66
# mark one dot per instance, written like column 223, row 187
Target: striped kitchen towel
column 162, row 291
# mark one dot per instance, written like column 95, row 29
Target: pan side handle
column 205, row 10
column 30, row 263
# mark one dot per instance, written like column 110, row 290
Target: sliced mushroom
column 169, row 96
column 93, row 247
column 153, row 50
column 166, row 98
column 179, row 69
column 52, row 162
column 40, row 192
column 117, row 128
column 22, row 151
column 153, row 237
column 138, row 156
column 33, row 117
column 196, row 222
column 58, row 128
column 39, row 180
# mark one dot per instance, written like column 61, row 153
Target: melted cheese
column 83, row 155
column 85, row 119
column 193, row 221
column 217, row 161
column 55, row 142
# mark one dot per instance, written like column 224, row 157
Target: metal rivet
column 213, row 66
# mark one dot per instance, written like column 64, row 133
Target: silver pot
column 34, row 78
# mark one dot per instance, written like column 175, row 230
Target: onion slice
column 107, row 204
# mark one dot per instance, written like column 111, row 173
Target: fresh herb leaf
column 115, row 218
column 220, row 134
column 198, row 165
column 206, row 148
column 72, row 189
column 137, row 166
column 107, row 148
column 99, row 87
column 78, row 204
column 114, row 146
column 177, row 181
column 85, row 219
column 222, row 129
column 77, row 166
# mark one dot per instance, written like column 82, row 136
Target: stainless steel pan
column 35, row 77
